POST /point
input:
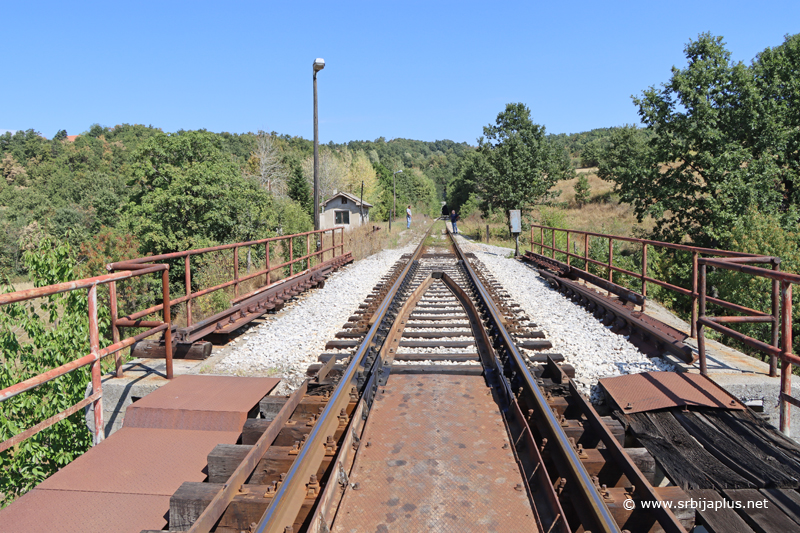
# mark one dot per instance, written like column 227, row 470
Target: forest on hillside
column 153, row 192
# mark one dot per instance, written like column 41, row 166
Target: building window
column 344, row 201
column 342, row 217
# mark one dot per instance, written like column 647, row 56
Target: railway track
column 437, row 408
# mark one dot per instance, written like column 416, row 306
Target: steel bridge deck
column 437, row 458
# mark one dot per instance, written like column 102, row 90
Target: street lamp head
column 319, row 64
column 399, row 172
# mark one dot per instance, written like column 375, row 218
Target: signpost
column 516, row 227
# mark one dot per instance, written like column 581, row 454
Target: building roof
column 349, row 196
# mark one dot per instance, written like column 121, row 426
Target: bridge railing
column 780, row 316
column 95, row 355
column 331, row 241
column 314, row 253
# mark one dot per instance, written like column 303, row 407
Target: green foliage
column 472, row 205
column 582, row 190
column 189, row 195
column 438, row 160
column 724, row 141
column 516, row 164
column 299, row 189
column 57, row 331
column 413, row 188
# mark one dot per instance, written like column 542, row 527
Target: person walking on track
column 453, row 220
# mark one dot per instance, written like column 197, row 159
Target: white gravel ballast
column 287, row 343
column 585, row 343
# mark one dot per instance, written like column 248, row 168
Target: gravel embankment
column 288, row 342
column 590, row 347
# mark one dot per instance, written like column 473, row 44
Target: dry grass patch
column 599, row 188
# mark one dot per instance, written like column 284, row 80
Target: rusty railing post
column 236, row 271
column 167, row 320
column 699, row 328
column 693, row 333
column 112, row 290
column 266, row 251
column 568, row 250
column 97, row 377
column 644, row 274
column 308, row 251
column 291, row 256
column 187, row 273
column 553, row 247
column 586, row 252
column 786, row 348
column 610, row 259
column 541, row 239
column 776, row 316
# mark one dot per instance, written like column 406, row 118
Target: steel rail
column 603, row 520
column 287, row 501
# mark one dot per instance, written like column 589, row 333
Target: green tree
column 517, row 164
column 298, row 188
column 189, row 194
column 720, row 145
column 582, row 190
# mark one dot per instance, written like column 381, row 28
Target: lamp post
column 319, row 64
column 394, row 199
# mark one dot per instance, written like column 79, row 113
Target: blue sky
column 420, row 70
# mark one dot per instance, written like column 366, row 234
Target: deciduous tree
column 724, row 142
column 517, row 164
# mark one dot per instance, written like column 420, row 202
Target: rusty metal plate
column 648, row 391
column 432, row 458
column 84, row 512
column 141, row 461
column 211, row 403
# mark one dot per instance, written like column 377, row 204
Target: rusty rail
column 781, row 319
column 95, row 355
